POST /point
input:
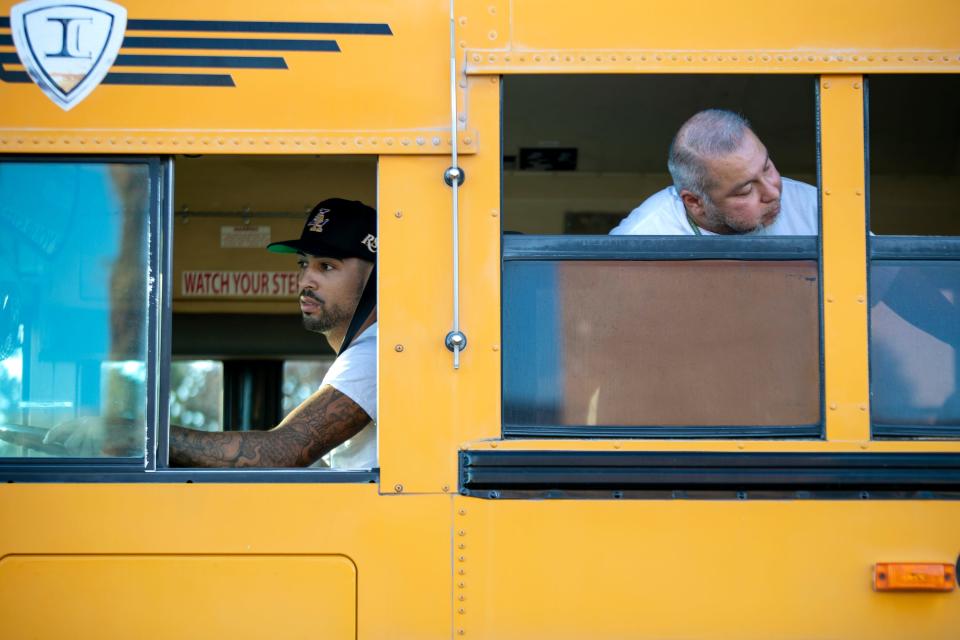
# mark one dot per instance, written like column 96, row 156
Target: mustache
column 310, row 294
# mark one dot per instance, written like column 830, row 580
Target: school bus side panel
column 222, row 560
column 697, row 569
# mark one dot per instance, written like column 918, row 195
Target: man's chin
column 316, row 325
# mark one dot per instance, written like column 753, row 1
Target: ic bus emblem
column 67, row 47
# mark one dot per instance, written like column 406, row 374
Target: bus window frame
column 646, row 248
column 153, row 466
column 900, row 247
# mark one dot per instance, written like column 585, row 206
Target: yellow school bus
column 581, row 435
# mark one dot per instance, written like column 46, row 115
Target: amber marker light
column 914, row 576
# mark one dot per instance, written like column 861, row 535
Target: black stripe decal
column 9, row 58
column 240, row 44
column 14, row 76
column 343, row 28
column 6, row 39
column 170, row 79
column 4, row 23
column 219, row 62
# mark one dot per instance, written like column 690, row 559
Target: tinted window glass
column 915, row 342
column 73, row 304
column 661, row 343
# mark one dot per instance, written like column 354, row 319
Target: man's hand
column 96, row 436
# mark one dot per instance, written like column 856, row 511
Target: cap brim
column 309, row 248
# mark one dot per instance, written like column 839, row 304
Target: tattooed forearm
column 320, row 423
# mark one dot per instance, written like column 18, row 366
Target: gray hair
column 714, row 132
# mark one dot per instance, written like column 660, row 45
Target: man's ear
column 693, row 204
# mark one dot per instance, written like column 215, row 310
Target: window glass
column 196, row 394
column 301, row 378
column 73, row 306
column 915, row 342
column 661, row 343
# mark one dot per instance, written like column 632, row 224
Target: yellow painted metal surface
column 176, row 596
column 697, row 569
column 400, row 548
column 847, row 385
column 401, row 81
column 701, row 25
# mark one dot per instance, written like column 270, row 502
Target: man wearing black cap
column 338, row 252
column 337, row 281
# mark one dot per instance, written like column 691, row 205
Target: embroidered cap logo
column 67, row 48
column 319, row 220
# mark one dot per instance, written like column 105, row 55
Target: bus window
column 914, row 255
column 75, row 268
column 682, row 322
column 600, row 149
column 236, row 303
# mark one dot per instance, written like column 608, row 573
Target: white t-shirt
column 663, row 214
column 354, row 374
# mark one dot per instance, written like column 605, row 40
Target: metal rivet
column 856, row 85
column 398, row 214
column 462, row 572
column 462, row 546
column 398, row 488
column 493, row 445
column 462, row 512
column 461, row 611
column 461, row 632
column 833, row 406
column 496, row 347
column 493, row 213
column 436, row 140
column 859, row 193
column 445, row 488
column 460, row 118
column 398, row 348
column 492, row 9
column 461, row 532
column 461, row 585
column 829, row 298
column 826, row 85
column 468, row 141
column 461, row 597
column 492, row 35
column 461, row 558
column 860, row 299
column 826, row 192
column 476, row 58
column 863, row 407
column 463, row 20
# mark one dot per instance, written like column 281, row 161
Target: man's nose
column 770, row 188
column 306, row 281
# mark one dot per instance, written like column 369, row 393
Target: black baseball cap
column 336, row 228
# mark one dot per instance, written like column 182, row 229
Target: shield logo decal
column 67, row 47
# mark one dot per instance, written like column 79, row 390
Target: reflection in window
column 196, row 394
column 915, row 342
column 300, row 379
column 661, row 343
column 73, row 304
